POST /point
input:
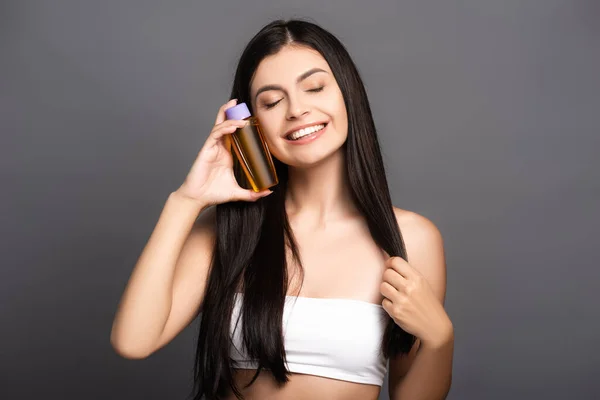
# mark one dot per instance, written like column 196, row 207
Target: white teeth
column 306, row 131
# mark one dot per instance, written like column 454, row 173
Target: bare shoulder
column 416, row 226
column 424, row 248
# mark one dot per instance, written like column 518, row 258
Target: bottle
column 251, row 149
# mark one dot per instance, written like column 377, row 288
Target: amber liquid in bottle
column 253, row 154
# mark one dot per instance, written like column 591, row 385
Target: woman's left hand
column 412, row 304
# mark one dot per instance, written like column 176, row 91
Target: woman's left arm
column 414, row 294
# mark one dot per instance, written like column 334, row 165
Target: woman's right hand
column 211, row 180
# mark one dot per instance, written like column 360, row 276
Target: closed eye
column 315, row 90
column 271, row 105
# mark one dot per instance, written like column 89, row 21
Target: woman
column 308, row 290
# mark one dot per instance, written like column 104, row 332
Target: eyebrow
column 298, row 80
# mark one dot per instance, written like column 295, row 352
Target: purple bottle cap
column 239, row 111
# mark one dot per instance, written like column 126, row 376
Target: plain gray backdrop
column 488, row 114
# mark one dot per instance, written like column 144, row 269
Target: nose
column 296, row 108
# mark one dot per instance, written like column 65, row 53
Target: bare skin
column 304, row 387
column 340, row 259
column 332, row 236
column 343, row 248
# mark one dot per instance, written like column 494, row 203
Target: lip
column 304, row 126
column 308, row 139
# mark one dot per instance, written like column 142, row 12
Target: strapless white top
column 333, row 338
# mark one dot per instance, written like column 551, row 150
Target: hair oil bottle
column 251, row 149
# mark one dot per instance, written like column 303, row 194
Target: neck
column 320, row 193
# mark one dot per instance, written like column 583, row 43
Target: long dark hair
column 252, row 237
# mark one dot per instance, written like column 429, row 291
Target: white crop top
column 333, row 338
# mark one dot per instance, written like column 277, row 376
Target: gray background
column 488, row 115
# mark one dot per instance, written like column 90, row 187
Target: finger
column 217, row 134
column 251, row 195
column 231, row 122
column 221, row 114
column 388, row 306
column 401, row 266
column 392, row 277
column 225, row 128
column 388, row 291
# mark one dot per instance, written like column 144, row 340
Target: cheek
column 268, row 127
column 342, row 117
column 337, row 106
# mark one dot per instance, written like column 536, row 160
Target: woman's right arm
column 166, row 288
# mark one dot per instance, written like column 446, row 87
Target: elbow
column 130, row 354
column 128, row 351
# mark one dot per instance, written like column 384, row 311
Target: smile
column 308, row 131
column 307, row 135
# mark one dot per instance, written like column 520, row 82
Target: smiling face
column 296, row 89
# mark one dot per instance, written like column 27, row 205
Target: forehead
column 286, row 65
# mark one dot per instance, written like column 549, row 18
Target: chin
column 312, row 158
